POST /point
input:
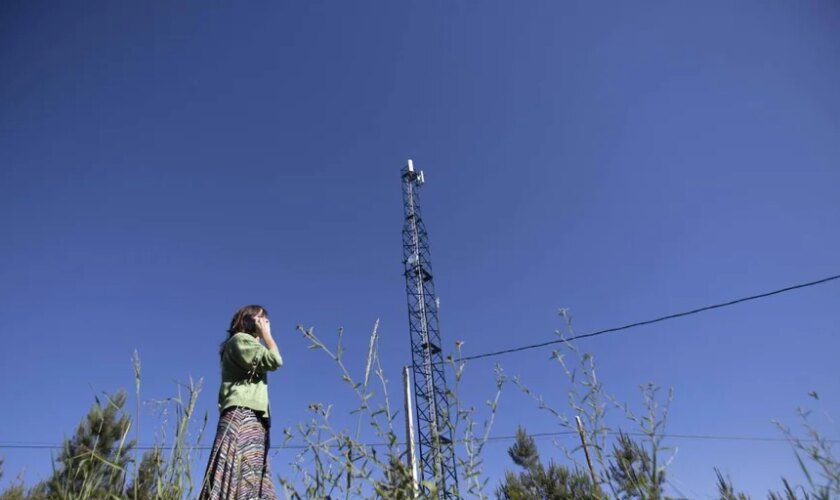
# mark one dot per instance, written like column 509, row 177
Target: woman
column 238, row 466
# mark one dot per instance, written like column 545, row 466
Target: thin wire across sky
column 554, row 342
column 650, row 321
column 535, row 435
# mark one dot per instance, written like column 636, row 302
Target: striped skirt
column 238, row 467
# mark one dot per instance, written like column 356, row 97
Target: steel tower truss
column 434, row 428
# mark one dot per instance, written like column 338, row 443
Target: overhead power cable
column 650, row 321
column 536, row 435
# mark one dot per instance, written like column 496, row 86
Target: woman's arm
column 250, row 355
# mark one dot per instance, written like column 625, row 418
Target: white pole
column 409, row 430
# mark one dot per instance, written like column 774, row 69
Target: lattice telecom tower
column 434, row 429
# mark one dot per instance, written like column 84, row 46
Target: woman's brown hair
column 245, row 320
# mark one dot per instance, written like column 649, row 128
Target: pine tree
column 538, row 482
column 633, row 472
column 726, row 490
column 398, row 483
column 93, row 463
column 150, row 482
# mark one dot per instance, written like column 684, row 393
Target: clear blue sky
column 162, row 164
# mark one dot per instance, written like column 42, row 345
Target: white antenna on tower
column 410, row 167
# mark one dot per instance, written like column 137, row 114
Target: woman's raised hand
column 264, row 332
column 263, row 327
